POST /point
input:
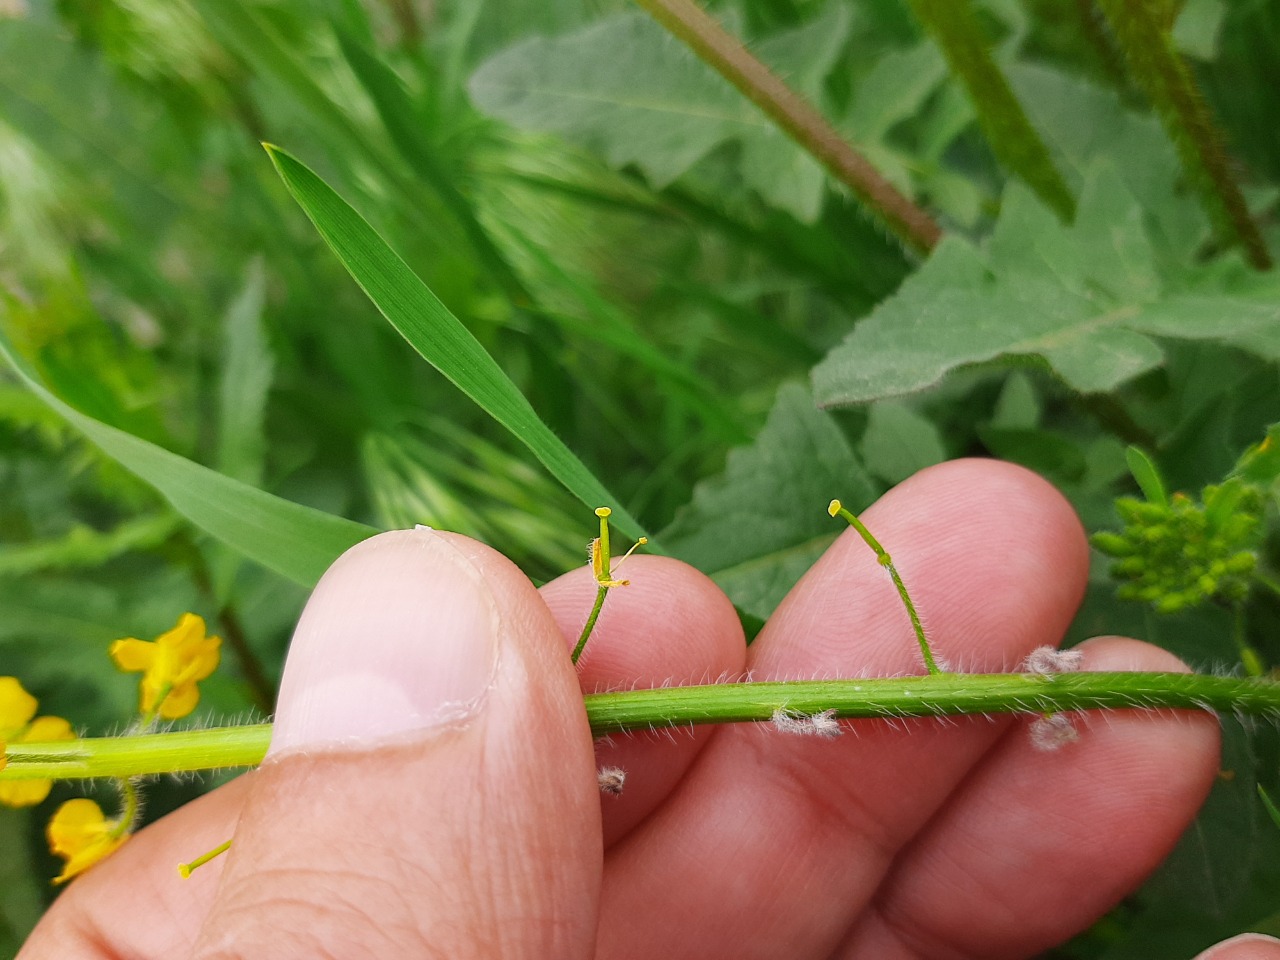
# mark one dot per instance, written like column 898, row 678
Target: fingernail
column 400, row 635
column 1244, row 939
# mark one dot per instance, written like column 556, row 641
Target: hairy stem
column 940, row 695
column 1014, row 141
column 796, row 117
column 590, row 625
column 1140, row 28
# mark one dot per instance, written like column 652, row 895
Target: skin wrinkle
column 790, row 773
column 916, row 934
column 296, row 918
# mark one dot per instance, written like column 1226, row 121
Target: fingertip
column 1246, row 946
column 998, row 505
column 670, row 624
column 1127, row 655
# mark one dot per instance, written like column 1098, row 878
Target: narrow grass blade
column 295, row 541
column 435, row 333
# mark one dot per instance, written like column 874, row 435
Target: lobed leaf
column 1088, row 300
column 761, row 524
column 623, row 86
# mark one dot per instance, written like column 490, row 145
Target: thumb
column 430, row 786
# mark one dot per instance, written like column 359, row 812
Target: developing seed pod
column 1047, row 661
column 611, row 780
column 822, row 724
column 1053, row 732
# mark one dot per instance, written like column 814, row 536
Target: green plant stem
column 601, row 593
column 941, row 695
column 724, row 53
column 129, row 810
column 1140, row 30
column 1013, row 139
column 886, row 561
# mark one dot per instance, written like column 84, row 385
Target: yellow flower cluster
column 171, row 666
column 19, row 724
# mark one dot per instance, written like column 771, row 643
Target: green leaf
column 898, row 442
column 85, row 547
column 624, row 87
column 1018, row 407
column 1086, row 299
column 439, row 336
column 1260, row 464
column 1198, row 27
column 1147, row 474
column 760, row 525
column 246, row 378
column 65, row 100
column 21, row 899
column 1084, row 125
column 1272, row 811
column 295, row 541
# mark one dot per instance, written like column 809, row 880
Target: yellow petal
column 189, row 629
column 48, row 728
column 87, row 857
column 132, row 655
column 81, row 835
column 24, row 793
column 149, row 691
column 180, row 701
column 201, row 662
column 77, row 823
column 16, row 706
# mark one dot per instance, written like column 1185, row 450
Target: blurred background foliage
column 659, row 270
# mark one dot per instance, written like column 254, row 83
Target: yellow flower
column 170, row 666
column 81, row 835
column 17, row 707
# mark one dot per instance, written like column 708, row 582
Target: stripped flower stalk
column 599, row 555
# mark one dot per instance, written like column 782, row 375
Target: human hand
column 431, row 789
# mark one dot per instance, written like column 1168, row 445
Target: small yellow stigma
column 185, row 869
column 833, row 508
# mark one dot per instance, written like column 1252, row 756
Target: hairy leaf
column 762, row 523
column 1086, row 299
column 625, row 87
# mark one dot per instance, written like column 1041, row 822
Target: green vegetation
column 708, row 282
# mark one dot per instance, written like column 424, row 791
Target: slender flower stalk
column 836, row 509
column 601, row 560
column 938, row 695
